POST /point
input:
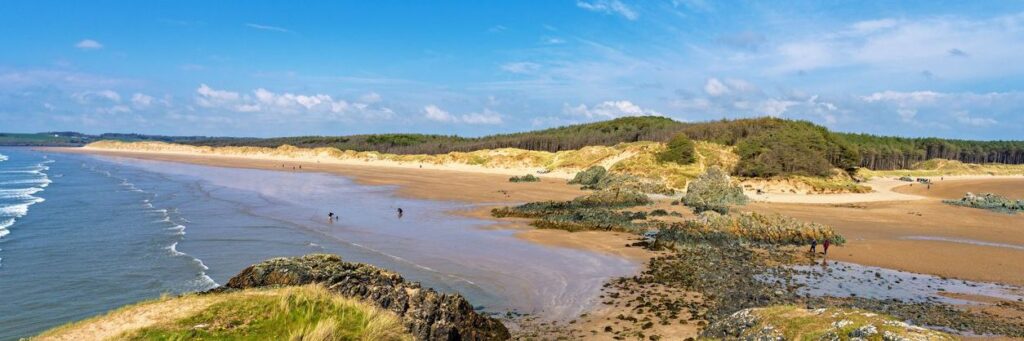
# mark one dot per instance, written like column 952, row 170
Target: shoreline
column 879, row 229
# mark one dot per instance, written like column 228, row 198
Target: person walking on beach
column 400, row 212
column 825, row 246
column 814, row 246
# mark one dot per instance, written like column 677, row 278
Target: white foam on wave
column 178, row 229
column 173, row 248
column 18, row 210
column 4, row 224
column 3, row 157
column 19, row 193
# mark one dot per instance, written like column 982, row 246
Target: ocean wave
column 19, row 193
column 178, row 229
column 19, row 210
column 4, row 224
column 42, row 182
column 173, row 248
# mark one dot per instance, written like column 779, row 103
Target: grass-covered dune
column 309, row 312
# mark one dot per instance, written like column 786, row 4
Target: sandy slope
column 885, row 189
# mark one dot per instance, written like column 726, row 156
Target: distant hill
column 766, row 146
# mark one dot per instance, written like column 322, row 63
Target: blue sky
column 260, row 68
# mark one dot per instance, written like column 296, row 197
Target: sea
column 83, row 234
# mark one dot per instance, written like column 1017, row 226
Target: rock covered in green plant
column 989, row 201
column 679, row 150
column 713, row 191
column 598, row 178
column 789, row 322
column 768, row 229
column 589, row 177
column 427, row 314
column 524, row 178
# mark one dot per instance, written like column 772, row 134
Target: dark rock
column 427, row 314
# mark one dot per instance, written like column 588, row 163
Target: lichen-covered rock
column 427, row 314
column 795, row 323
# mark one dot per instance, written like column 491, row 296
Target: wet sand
column 927, row 236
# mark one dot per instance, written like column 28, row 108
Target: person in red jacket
column 825, row 245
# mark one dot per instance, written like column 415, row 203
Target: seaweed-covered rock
column 989, row 201
column 795, row 323
column 427, row 314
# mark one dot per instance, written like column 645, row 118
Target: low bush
column 659, row 213
column 679, row 150
column 713, row 191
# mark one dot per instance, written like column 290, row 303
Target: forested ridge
column 767, row 146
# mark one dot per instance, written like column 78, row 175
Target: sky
column 277, row 68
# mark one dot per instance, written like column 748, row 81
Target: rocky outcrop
column 791, row 322
column 427, row 314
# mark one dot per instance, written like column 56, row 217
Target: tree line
column 767, row 146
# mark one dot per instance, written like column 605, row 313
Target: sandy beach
column 487, row 189
column 897, row 226
column 926, row 235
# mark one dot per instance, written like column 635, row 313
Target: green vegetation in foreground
column 790, row 322
column 294, row 313
column 308, row 312
column 524, row 178
column 989, row 201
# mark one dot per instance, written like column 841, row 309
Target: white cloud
column 715, row 87
column 371, row 97
column 435, row 113
column 89, row 44
column 141, row 100
column 902, row 97
column 775, row 107
column 869, row 26
column 948, row 46
column 93, row 96
column 486, row 117
column 964, row 117
column 552, row 40
column 268, row 28
column 609, row 109
column 609, row 7
column 520, row 67
column 210, row 98
column 280, row 105
column 906, row 114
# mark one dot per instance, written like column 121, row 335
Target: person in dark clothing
column 400, row 212
column 814, row 246
column 825, row 245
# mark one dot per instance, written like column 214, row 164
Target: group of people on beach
column 824, row 245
